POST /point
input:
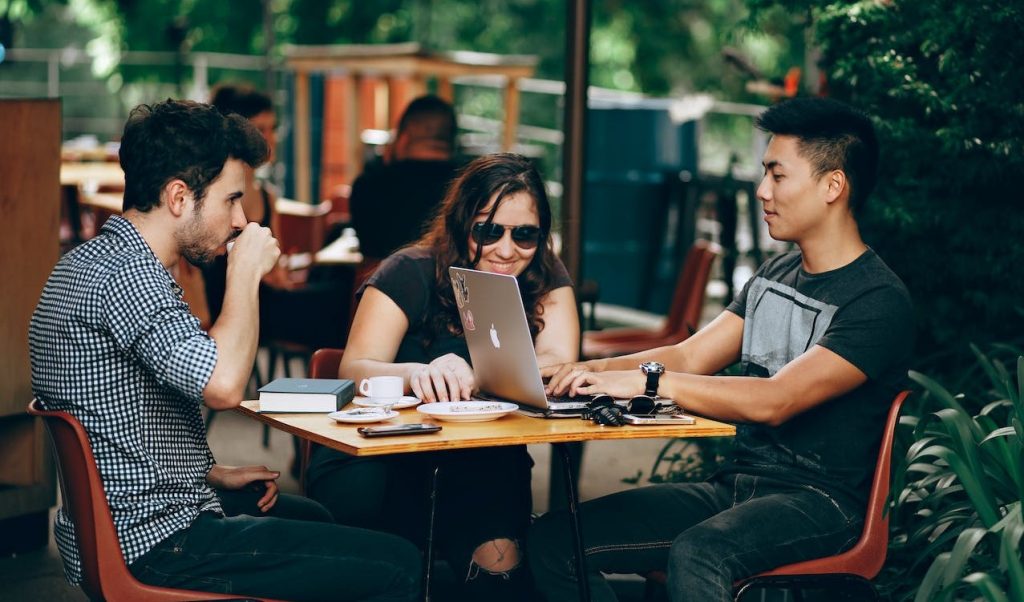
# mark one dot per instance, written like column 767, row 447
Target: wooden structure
column 386, row 77
column 30, row 207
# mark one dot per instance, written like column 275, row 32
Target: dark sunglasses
column 525, row 237
column 641, row 405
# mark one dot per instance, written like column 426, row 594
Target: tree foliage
column 942, row 79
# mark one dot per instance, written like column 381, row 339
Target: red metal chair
column 683, row 317
column 856, row 567
column 105, row 574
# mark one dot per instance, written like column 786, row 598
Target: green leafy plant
column 957, row 514
column 689, row 460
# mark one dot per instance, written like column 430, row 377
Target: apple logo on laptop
column 494, row 337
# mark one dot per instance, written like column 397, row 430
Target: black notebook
column 306, row 394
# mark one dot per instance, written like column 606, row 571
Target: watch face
column 652, row 367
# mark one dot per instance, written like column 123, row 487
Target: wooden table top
column 513, row 429
column 339, row 252
column 111, row 202
column 100, row 173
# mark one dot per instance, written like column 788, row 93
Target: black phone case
column 367, row 431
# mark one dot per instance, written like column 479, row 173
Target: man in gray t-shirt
column 823, row 337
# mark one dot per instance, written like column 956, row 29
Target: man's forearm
column 236, row 333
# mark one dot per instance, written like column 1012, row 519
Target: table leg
column 429, row 562
column 577, row 531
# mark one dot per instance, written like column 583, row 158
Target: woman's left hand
column 447, row 378
column 240, row 477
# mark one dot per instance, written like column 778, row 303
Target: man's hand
column 240, row 477
column 255, row 251
column 620, row 384
column 561, row 376
column 447, row 378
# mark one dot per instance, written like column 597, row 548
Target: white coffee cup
column 382, row 389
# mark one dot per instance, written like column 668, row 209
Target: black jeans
column 707, row 535
column 483, row 495
column 289, row 554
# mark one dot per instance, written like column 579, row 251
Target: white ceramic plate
column 467, row 411
column 362, row 415
column 407, row 401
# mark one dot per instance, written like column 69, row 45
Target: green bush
column 942, row 78
column 957, row 523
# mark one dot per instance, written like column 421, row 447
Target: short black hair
column 430, row 118
column 831, row 135
column 181, row 139
column 242, row 99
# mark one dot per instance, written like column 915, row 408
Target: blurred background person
column 393, row 200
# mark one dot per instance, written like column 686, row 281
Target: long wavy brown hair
column 503, row 174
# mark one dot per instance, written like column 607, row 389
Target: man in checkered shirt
column 113, row 343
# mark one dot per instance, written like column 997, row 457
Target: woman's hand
column 233, row 478
column 447, row 378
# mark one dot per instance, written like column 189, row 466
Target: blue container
column 635, row 155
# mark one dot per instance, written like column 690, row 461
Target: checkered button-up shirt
column 113, row 343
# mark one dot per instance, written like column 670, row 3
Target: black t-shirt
column 407, row 277
column 392, row 204
column 862, row 312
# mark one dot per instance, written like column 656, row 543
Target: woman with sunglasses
column 496, row 218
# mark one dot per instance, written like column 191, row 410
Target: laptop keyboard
column 567, row 402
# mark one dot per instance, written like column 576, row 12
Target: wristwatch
column 653, row 370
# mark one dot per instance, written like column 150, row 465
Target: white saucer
column 467, row 411
column 407, row 401
column 361, row 415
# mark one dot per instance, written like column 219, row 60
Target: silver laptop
column 500, row 345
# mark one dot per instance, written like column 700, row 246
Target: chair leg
column 428, row 563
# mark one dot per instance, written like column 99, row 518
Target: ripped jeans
column 707, row 535
column 484, row 504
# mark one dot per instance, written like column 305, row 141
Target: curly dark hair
column 503, row 174
column 182, row 139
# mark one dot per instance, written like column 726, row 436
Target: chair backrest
column 325, row 363
column 105, row 575
column 866, row 558
column 688, row 297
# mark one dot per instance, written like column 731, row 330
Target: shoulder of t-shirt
column 405, row 262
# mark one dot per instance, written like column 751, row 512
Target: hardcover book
column 306, row 394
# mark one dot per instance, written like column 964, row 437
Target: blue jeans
column 288, row 555
column 706, row 535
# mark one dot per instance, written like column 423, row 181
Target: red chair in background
column 323, row 364
column 853, row 569
column 683, row 317
column 105, row 574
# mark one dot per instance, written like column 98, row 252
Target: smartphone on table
column 397, row 429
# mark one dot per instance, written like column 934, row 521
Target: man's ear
column 837, row 185
column 176, row 195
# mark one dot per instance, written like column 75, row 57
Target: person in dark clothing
column 392, row 202
column 823, row 336
column 496, row 218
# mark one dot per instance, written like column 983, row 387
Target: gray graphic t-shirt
column 861, row 312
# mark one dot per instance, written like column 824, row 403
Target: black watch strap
column 651, row 390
